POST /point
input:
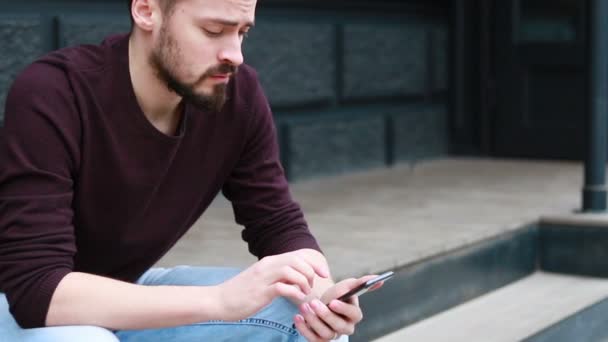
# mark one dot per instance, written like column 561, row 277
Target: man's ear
column 145, row 13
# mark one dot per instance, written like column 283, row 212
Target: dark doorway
column 539, row 60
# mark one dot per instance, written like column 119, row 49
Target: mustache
column 220, row 69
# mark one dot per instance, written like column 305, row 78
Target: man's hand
column 327, row 318
column 289, row 275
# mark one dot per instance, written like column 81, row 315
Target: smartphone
column 361, row 289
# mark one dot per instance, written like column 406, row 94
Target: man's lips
column 220, row 76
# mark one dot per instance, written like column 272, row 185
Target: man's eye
column 212, row 33
column 244, row 34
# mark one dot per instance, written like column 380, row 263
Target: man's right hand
column 289, row 275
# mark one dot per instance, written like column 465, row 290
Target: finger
column 348, row 284
column 318, row 265
column 377, row 286
column 344, row 286
column 337, row 323
column 288, row 291
column 355, row 301
column 301, row 266
column 352, row 312
column 368, row 277
column 315, row 323
column 316, row 260
column 289, row 275
column 305, row 330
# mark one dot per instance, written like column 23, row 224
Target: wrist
column 210, row 304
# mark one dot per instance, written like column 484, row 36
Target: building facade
column 361, row 84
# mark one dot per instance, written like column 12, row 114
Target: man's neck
column 160, row 105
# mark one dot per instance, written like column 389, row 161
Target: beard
column 166, row 54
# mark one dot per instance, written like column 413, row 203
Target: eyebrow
column 248, row 24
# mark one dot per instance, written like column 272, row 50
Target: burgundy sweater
column 87, row 184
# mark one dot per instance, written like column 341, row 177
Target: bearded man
column 110, row 153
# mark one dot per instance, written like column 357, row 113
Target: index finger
column 316, row 260
column 305, row 269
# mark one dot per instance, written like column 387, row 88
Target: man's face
column 198, row 47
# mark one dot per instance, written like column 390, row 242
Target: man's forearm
column 85, row 299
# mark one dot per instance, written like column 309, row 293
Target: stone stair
column 525, row 310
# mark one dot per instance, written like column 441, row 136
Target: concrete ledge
column 577, row 219
column 516, row 312
column 434, row 285
column 574, row 249
column 564, row 244
column 589, row 324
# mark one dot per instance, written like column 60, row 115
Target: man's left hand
column 328, row 318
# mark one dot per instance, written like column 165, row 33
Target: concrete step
column 515, row 312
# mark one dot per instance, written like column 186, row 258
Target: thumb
column 343, row 287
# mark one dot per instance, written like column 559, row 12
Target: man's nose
column 231, row 52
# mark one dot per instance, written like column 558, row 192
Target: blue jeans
column 272, row 323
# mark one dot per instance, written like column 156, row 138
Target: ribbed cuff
column 294, row 243
column 34, row 315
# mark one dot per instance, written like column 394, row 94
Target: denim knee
column 68, row 333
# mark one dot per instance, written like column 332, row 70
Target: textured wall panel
column 384, row 60
column 419, row 132
column 295, row 61
column 441, row 53
column 85, row 30
column 335, row 146
column 21, row 45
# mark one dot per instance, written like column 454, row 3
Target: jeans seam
column 259, row 322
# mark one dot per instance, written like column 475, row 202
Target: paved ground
column 376, row 220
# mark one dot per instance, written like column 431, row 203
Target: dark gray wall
column 354, row 85
column 21, row 43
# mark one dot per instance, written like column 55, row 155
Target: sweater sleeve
column 38, row 156
column 259, row 191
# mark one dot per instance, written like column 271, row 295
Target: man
column 110, row 153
